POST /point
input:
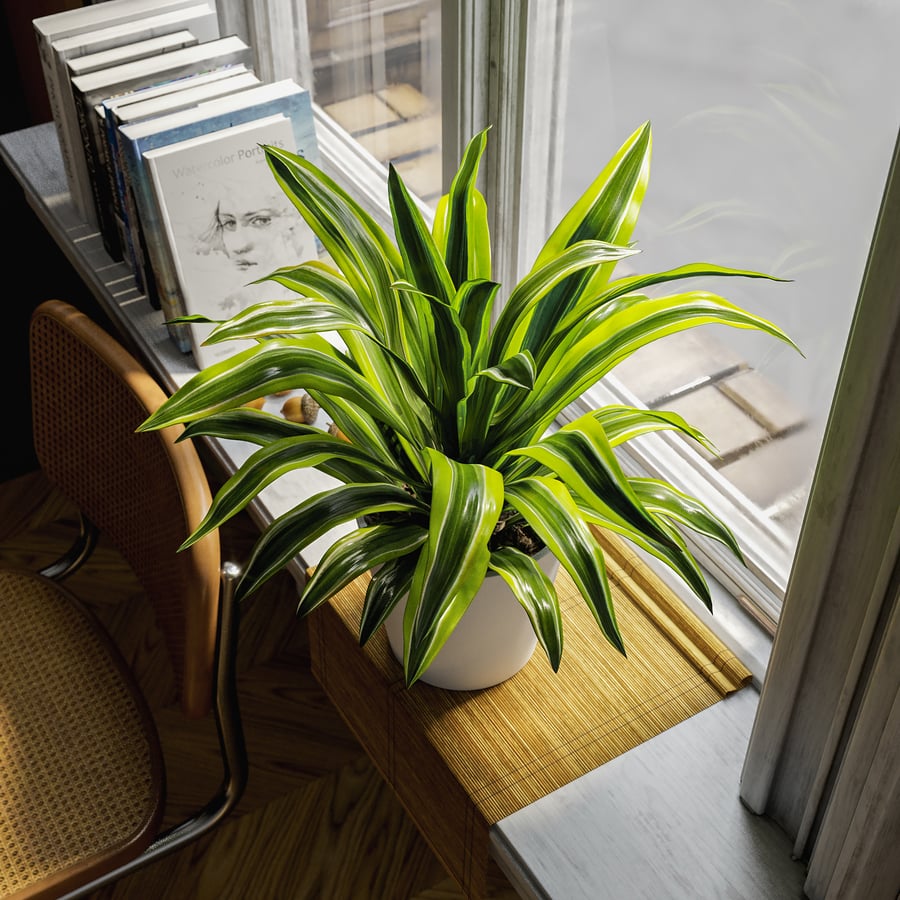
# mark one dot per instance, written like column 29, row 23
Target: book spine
column 109, row 229
column 136, row 244
column 82, row 201
column 119, row 211
column 165, row 277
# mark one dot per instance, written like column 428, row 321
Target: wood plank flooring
column 317, row 822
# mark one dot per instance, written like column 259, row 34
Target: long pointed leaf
column 466, row 502
column 549, row 509
column 353, row 555
column 287, row 536
column 535, row 591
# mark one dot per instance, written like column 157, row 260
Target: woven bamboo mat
column 461, row 761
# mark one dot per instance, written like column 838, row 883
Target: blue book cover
column 285, row 97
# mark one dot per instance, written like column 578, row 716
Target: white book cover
column 89, row 29
column 227, row 222
column 267, row 99
column 144, row 104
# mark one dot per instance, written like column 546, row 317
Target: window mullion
column 502, row 66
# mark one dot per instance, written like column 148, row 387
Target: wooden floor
column 316, row 821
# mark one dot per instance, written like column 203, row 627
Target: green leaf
column 387, row 587
column 474, row 303
column 673, row 553
column 622, row 423
column 424, row 264
column 256, row 426
column 608, row 336
column 461, row 229
column 549, row 509
column 607, row 211
column 330, row 455
column 350, row 556
column 361, row 249
column 272, row 366
column 659, row 497
column 581, row 457
column 535, row 292
column 275, row 317
column 286, row 537
column 535, row 591
column 465, row 505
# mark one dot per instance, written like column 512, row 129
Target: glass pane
column 773, row 126
column 376, row 72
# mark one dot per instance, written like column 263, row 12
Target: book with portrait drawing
column 227, row 222
column 135, row 139
column 89, row 29
column 147, row 103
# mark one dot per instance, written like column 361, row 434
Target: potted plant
column 443, row 416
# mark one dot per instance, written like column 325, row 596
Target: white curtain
column 824, row 754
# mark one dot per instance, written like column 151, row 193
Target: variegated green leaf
column 610, row 335
column 256, row 426
column 425, row 267
column 329, row 454
column 535, row 591
column 274, row 317
column 607, row 211
column 622, row 423
column 290, row 533
column 581, row 457
column 674, row 553
column 351, row 556
column 387, row 587
column 662, row 498
column 460, row 224
column 275, row 365
column 474, row 304
column 550, row 510
column 361, row 249
column 535, row 292
column 466, row 501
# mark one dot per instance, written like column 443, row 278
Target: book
column 75, row 32
column 145, row 104
column 226, row 222
column 91, row 89
column 94, row 62
column 141, row 49
column 284, row 96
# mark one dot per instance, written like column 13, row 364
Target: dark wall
column 44, row 271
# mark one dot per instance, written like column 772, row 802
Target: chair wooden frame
column 146, row 493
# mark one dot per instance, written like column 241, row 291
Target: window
column 755, row 107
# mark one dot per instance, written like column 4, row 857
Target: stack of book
column 160, row 119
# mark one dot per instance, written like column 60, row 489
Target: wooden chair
column 82, row 778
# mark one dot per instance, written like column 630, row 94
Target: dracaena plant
column 445, row 450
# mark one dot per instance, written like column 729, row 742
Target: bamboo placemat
column 461, row 761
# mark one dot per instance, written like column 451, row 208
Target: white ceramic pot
column 491, row 642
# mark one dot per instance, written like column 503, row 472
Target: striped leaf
column 353, row 555
column 548, row 508
column 466, row 501
column 287, row 536
column 535, row 591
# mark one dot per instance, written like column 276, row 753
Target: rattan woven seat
column 82, row 784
